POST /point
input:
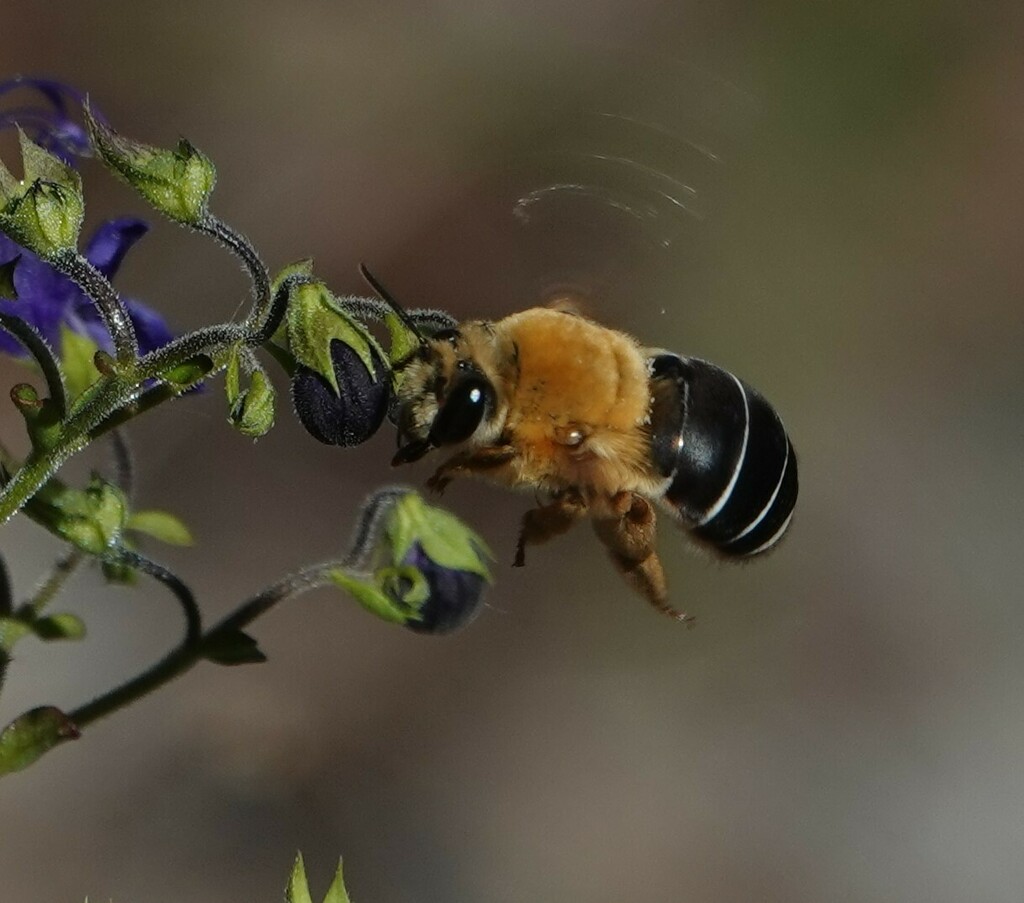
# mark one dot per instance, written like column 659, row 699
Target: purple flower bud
column 354, row 415
column 454, row 598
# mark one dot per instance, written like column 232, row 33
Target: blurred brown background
column 845, row 722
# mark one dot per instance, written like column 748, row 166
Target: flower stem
column 192, row 649
column 109, row 304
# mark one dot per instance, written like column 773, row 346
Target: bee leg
column 548, row 521
column 481, row 460
column 630, row 541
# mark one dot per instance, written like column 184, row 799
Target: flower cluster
column 106, row 359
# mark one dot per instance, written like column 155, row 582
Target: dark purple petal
column 45, row 317
column 49, row 122
column 111, row 241
column 151, row 328
column 454, row 598
column 353, row 416
column 46, row 299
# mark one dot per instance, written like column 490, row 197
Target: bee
column 603, row 428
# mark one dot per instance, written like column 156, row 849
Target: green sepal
column 176, row 182
column 371, row 596
column 119, row 573
column 315, row 319
column 7, row 288
column 43, row 420
column 188, row 373
column 232, row 647
column 298, row 888
column 233, row 375
column 161, row 525
column 445, row 539
column 404, row 582
column 303, row 268
column 91, row 519
column 32, row 734
column 403, row 340
column 78, row 360
column 250, row 410
column 64, row 626
column 42, row 212
column 336, row 893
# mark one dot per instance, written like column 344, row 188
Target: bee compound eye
column 462, row 411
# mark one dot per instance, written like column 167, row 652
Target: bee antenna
column 389, row 299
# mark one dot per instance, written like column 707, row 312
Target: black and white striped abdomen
column 730, row 466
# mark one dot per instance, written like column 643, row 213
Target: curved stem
column 193, row 619
column 240, row 246
column 188, row 653
column 36, row 345
column 109, row 304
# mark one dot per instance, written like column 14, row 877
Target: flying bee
column 602, row 427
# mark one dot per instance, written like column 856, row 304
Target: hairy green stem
column 109, row 304
column 242, row 248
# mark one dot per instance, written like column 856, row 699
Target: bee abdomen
column 731, row 468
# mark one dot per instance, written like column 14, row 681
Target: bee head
column 443, row 400
column 442, row 394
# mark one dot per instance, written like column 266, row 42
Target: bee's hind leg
column 548, row 521
column 629, row 533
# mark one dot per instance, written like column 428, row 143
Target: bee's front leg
column 629, row 535
column 485, row 461
column 548, row 521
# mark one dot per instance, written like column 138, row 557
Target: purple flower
column 47, row 299
column 49, row 123
column 454, row 598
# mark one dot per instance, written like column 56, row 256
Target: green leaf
column 78, row 357
column 59, row 627
column 160, row 525
column 12, row 629
column 314, row 320
column 176, row 182
column 7, row 289
column 298, row 890
column 336, row 893
column 44, row 211
column 370, row 596
column 232, row 647
column 31, row 735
